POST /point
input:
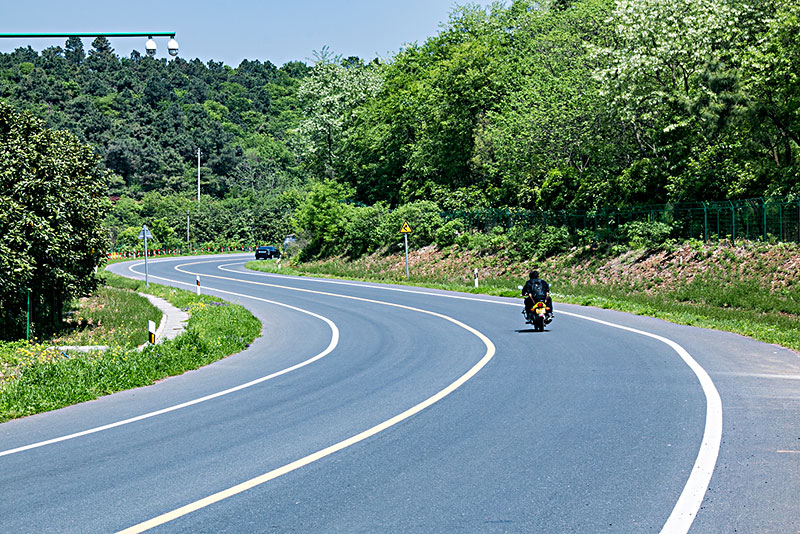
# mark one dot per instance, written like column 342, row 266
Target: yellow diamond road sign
column 405, row 229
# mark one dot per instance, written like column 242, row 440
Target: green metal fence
column 774, row 218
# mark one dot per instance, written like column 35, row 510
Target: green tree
column 771, row 87
column 73, row 50
column 330, row 96
column 465, row 80
column 547, row 143
column 672, row 75
column 52, row 203
column 323, row 217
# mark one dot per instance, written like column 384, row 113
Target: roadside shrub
column 643, row 234
column 539, row 242
column 446, row 235
column 485, row 243
column 584, row 237
column 554, row 240
column 361, row 235
column 164, row 233
column 323, row 216
column 522, row 242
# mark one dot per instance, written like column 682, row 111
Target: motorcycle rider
column 537, row 290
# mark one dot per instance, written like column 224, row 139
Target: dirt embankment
column 768, row 267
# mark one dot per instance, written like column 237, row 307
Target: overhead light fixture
column 172, row 46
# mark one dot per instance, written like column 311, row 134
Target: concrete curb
column 173, row 320
column 81, row 348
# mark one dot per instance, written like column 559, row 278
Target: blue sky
column 278, row 31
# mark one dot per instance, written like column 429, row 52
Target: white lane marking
column 354, row 284
column 331, row 346
column 691, row 498
column 762, row 375
column 685, row 510
column 297, row 464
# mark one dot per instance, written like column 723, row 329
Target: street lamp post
column 150, row 45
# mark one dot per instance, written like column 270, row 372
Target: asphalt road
column 371, row 408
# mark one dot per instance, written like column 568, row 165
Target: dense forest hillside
column 561, row 104
column 572, row 104
column 147, row 117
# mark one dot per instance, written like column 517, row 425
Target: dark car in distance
column 267, row 253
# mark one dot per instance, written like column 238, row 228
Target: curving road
column 372, row 408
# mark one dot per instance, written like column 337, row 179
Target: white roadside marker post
column 145, row 234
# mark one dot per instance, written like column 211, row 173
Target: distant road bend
column 368, row 407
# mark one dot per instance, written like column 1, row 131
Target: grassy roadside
column 111, row 316
column 747, row 288
column 40, row 379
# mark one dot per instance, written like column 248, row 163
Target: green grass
column 271, row 266
column 48, row 380
column 112, row 315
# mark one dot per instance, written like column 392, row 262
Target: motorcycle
column 537, row 312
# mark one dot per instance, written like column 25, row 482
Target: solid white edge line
column 244, row 486
column 691, row 498
column 331, row 346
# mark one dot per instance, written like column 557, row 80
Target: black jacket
column 536, row 287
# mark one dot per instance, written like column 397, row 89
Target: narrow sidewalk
column 173, row 320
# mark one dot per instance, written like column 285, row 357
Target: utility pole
column 187, row 227
column 198, row 176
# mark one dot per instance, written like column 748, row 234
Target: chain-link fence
column 772, row 218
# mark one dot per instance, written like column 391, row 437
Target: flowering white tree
column 658, row 64
column 330, row 97
column 771, row 83
column 674, row 76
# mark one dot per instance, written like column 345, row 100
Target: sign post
column 405, row 230
column 145, row 234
